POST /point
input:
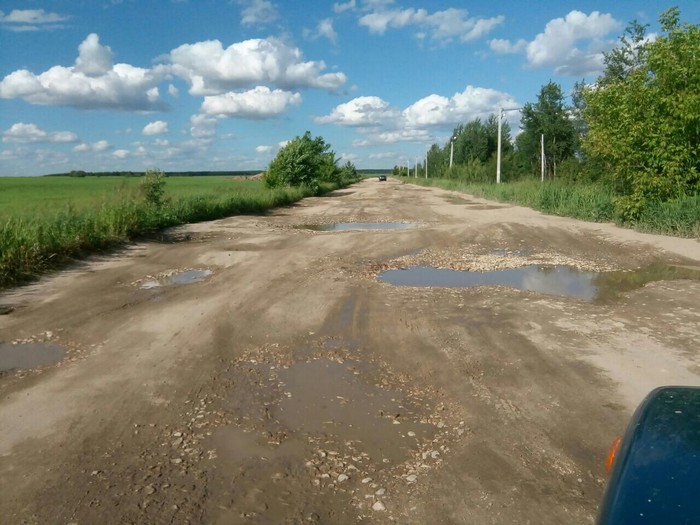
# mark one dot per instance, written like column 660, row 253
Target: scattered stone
column 412, row 478
column 176, row 461
column 378, row 506
column 412, row 434
column 366, row 480
column 150, row 489
column 343, row 477
column 380, row 492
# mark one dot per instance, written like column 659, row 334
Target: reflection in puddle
column 554, row 280
column 324, row 396
column 351, row 226
column 187, row 277
column 29, row 355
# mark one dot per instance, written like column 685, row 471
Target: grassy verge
column 32, row 244
column 590, row 202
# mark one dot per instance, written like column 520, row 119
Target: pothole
column 327, row 397
column 174, row 279
column 354, row 226
column 29, row 355
column 564, row 281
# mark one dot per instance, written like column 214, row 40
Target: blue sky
column 106, row 85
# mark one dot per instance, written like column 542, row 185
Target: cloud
column 340, row 7
column 157, row 127
column 504, row 47
column 258, row 12
column 96, row 147
column 94, row 82
column 20, row 20
column 556, row 47
column 258, row 103
column 442, row 26
column 22, row 133
column 324, row 29
column 121, row 153
column 382, row 123
column 264, row 149
column 212, row 70
column 361, row 112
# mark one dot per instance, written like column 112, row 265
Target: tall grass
column 32, row 245
column 591, row 202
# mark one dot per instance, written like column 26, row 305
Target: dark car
column 655, row 466
column 382, row 178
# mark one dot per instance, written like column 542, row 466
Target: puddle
column 29, row 355
column 326, row 397
column 6, row 309
column 354, row 226
column 563, row 281
column 186, row 277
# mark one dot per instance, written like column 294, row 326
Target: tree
column 645, row 124
column 551, row 118
column 153, row 187
column 302, row 162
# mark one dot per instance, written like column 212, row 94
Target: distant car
column 382, row 178
column 655, row 467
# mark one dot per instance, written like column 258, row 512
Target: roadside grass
column 590, row 202
column 52, row 234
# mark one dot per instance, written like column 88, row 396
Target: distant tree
column 550, row 117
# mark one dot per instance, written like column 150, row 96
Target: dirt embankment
column 251, row 371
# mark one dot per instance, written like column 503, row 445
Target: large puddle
column 179, row 278
column 28, row 355
column 353, row 226
column 564, row 281
column 326, row 397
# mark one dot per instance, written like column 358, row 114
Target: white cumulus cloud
column 382, row 123
column 121, row 153
column 212, row 70
column 94, row 82
column 23, row 133
column 258, row 103
column 573, row 45
column 157, row 127
column 440, row 25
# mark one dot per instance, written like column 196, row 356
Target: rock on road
column 279, row 381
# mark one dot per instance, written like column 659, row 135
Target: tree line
column 635, row 129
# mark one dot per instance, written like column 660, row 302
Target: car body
column 382, row 178
column 655, row 475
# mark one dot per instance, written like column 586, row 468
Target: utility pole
column 501, row 112
column 543, row 161
column 416, row 169
column 426, row 165
column 452, row 150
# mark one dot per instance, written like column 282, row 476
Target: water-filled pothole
column 353, row 226
column 28, row 355
column 564, row 281
column 326, row 397
column 186, row 277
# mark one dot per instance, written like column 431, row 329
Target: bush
column 303, row 162
column 153, row 187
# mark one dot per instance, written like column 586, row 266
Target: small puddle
column 186, row 277
column 328, row 397
column 353, row 226
column 563, row 281
column 28, row 355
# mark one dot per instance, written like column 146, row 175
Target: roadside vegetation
column 49, row 221
column 626, row 149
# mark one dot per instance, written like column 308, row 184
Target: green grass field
column 46, row 222
column 28, row 197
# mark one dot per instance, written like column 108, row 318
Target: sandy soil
column 290, row 385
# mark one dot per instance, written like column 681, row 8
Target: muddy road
column 266, row 370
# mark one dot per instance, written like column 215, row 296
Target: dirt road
column 251, row 371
